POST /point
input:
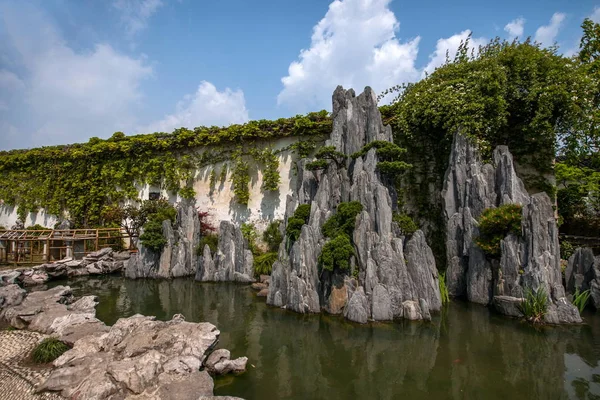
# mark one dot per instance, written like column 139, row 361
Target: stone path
column 17, row 380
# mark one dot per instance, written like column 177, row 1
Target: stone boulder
column 11, row 295
column 178, row 256
column 233, row 260
column 583, row 273
column 529, row 261
column 138, row 356
column 388, row 274
column 219, row 363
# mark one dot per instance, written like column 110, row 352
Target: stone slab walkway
column 17, row 380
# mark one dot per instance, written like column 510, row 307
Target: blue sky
column 73, row 69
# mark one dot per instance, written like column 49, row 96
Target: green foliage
column 263, row 264
column 495, row 224
column 336, row 253
column 303, row 147
column 187, row 192
column 295, row 222
column 388, row 155
column 443, row 288
column 240, row 178
column 223, row 175
column 152, row 213
column 580, row 299
column 36, row 227
column 535, row 305
column 84, row 178
column 405, row 223
column 272, row 236
column 324, row 156
column 566, row 249
column 317, row 165
column 271, row 178
column 579, row 196
column 343, row 220
column 212, row 240
column 48, row 350
column 249, row 233
column 212, row 180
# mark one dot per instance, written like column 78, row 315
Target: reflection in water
column 467, row 353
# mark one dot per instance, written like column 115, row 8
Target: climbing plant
column 83, row 178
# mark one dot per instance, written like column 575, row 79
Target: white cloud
column 136, row 13
column 206, row 107
column 354, row 45
column 66, row 95
column 450, row 46
column 546, row 34
column 515, row 28
column 595, row 16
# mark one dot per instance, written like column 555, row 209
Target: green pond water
column 464, row 353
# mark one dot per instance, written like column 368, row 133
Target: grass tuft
column 580, row 299
column 48, row 350
column 443, row 288
column 535, row 305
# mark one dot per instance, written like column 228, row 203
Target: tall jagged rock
column 392, row 281
column 178, row 257
column 232, row 261
column 583, row 273
column 529, row 261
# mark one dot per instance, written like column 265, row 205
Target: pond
column 464, row 353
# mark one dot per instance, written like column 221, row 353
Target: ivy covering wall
column 83, row 178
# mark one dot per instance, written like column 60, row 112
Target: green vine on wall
column 81, row 179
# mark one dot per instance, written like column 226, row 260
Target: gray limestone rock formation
column 178, row 257
column 583, row 273
column 530, row 260
column 138, row 357
column 233, row 260
column 389, row 275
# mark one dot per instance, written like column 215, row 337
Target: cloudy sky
column 73, row 69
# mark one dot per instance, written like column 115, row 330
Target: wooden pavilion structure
column 18, row 247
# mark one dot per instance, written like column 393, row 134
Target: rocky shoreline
column 136, row 358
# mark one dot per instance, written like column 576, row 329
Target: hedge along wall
column 225, row 169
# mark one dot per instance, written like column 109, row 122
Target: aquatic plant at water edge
column 263, row 264
column 580, row 299
column 48, row 350
column 443, row 288
column 495, row 224
column 535, row 305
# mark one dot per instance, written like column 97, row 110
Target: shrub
column 405, row 223
column 272, row 236
column 187, row 192
column 495, row 224
column 48, row 350
column 336, row 253
column 388, row 155
column 535, row 305
column 566, row 249
column 211, row 239
column 249, row 233
column 154, row 212
column 343, row 220
column 263, row 264
column 324, row 156
column 580, row 299
column 295, row 222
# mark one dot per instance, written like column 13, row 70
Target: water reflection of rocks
column 466, row 353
